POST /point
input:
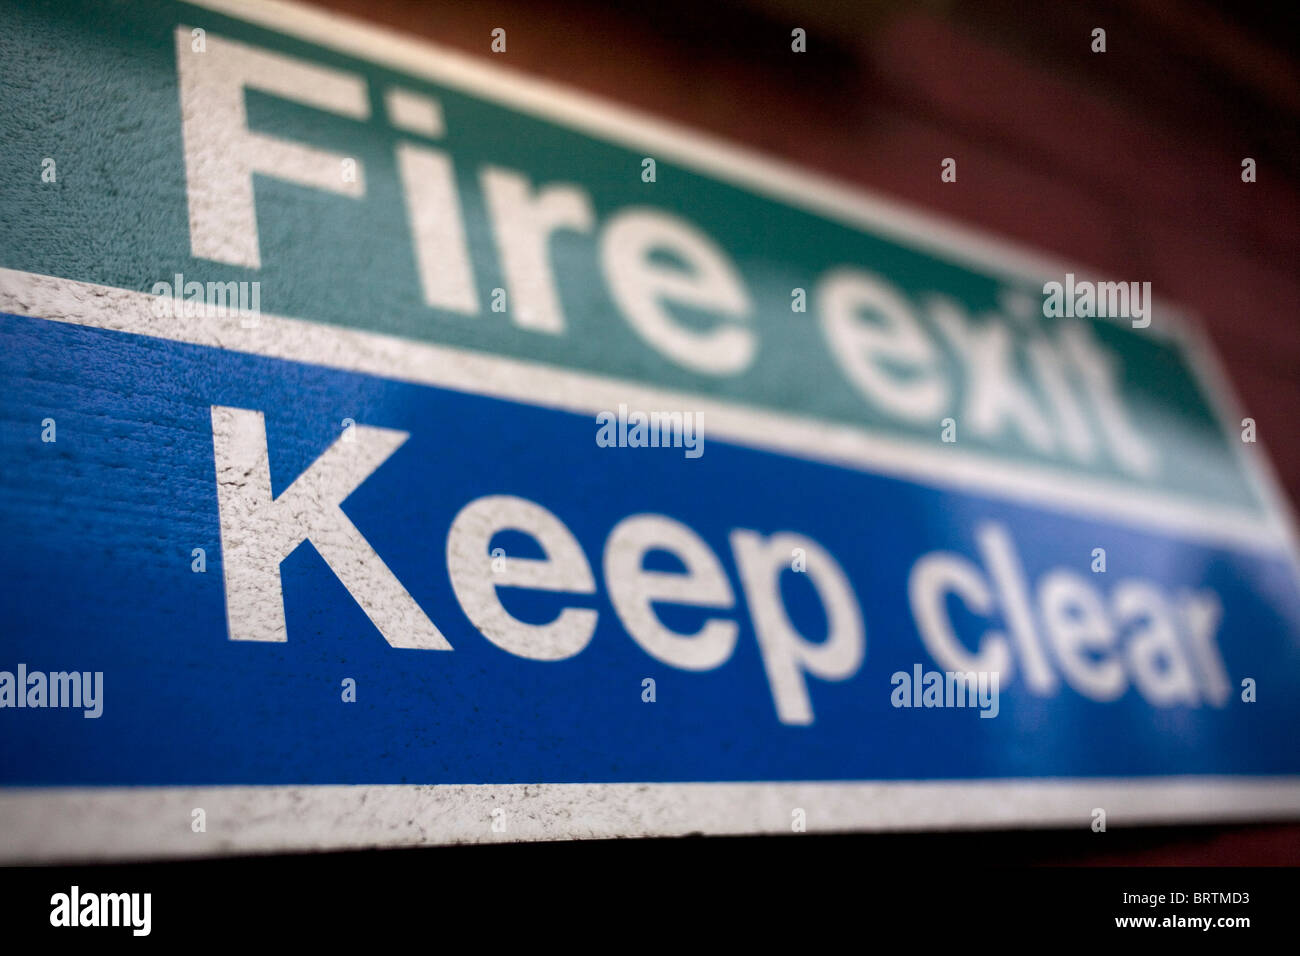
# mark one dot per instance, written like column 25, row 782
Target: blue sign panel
column 1137, row 670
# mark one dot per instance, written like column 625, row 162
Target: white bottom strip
column 57, row 825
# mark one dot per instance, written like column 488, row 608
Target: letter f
column 221, row 153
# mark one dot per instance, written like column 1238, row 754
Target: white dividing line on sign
column 393, row 358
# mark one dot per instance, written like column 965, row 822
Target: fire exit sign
column 398, row 449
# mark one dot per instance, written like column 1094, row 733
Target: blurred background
column 1128, row 162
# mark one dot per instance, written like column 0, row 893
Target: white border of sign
column 134, row 822
column 48, row 824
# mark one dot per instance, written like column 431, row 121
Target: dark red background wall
column 1128, row 161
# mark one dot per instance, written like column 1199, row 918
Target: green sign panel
column 412, row 204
